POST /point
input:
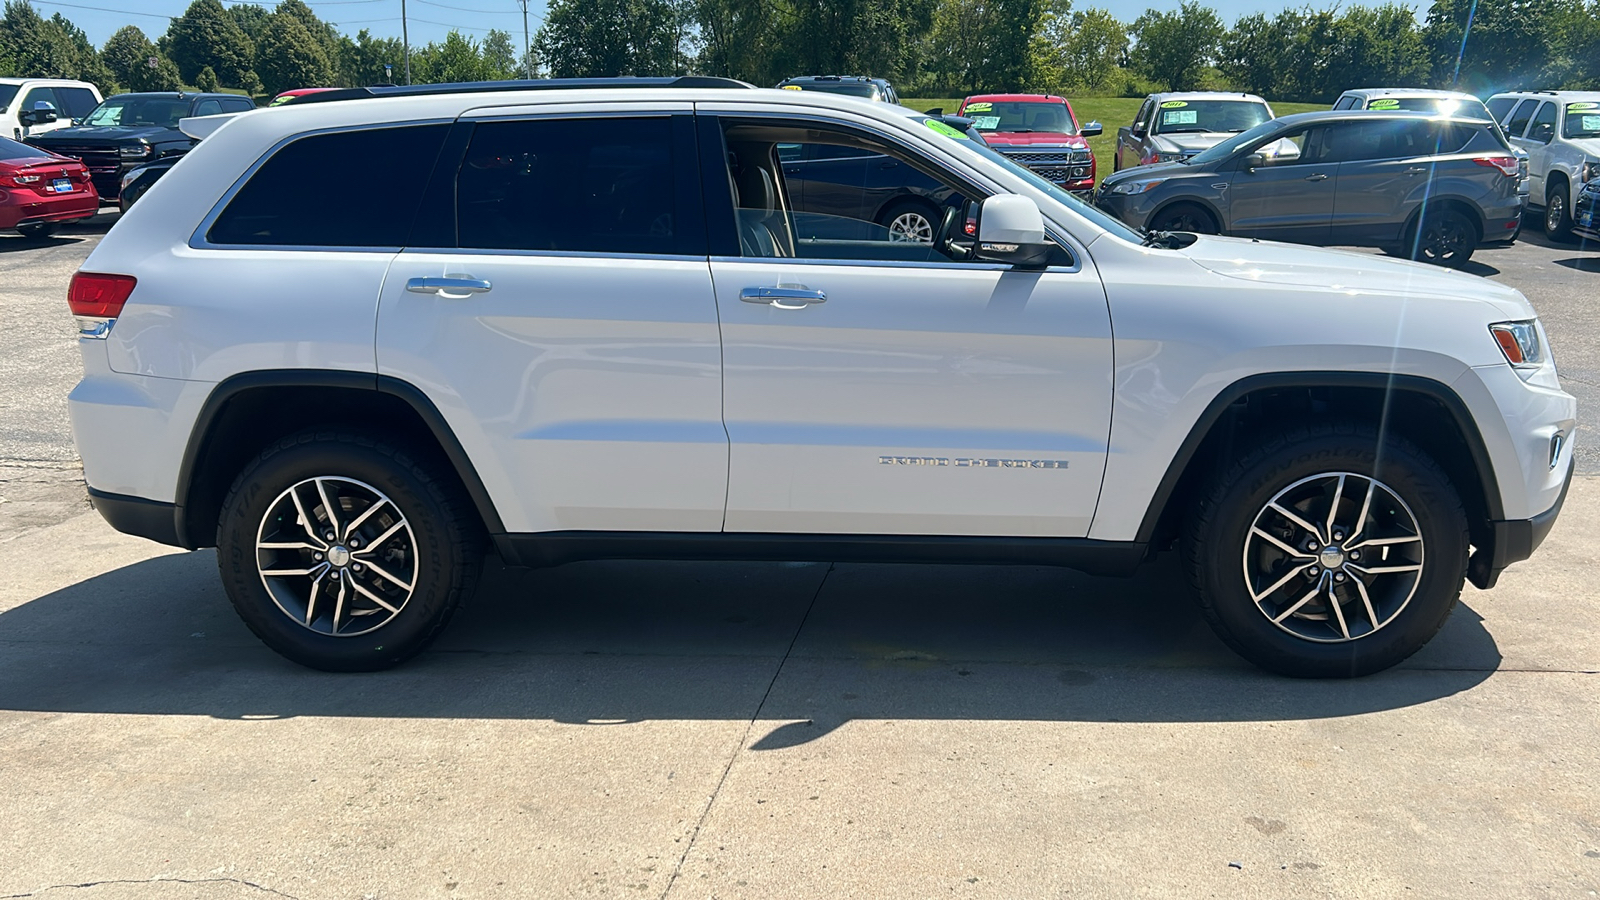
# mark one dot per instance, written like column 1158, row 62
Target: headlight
column 132, row 174
column 1138, row 186
column 1520, row 343
column 134, row 151
column 1591, row 171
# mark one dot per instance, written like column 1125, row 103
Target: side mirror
column 1255, row 161
column 1011, row 230
column 1137, row 131
column 1092, row 129
column 43, row 111
column 936, row 111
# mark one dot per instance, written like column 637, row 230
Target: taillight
column 20, row 180
column 98, row 296
column 1507, row 165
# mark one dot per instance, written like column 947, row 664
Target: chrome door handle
column 450, row 287
column 1415, row 170
column 1317, row 177
column 786, row 296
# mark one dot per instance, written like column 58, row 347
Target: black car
column 849, row 85
column 1586, row 212
column 129, row 130
column 137, row 181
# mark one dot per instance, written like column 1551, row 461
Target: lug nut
column 356, row 567
column 355, row 542
column 328, row 535
column 1338, row 535
column 1311, row 546
column 1355, row 554
column 1338, row 576
column 316, row 556
column 1313, row 572
column 334, row 574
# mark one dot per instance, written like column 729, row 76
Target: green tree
column 738, row 39
column 600, row 38
column 1079, row 52
column 361, row 60
column 251, row 19
column 127, row 55
column 205, row 35
column 31, row 45
column 499, row 56
column 1175, row 48
column 207, row 80
column 455, row 60
column 291, row 57
column 1508, row 47
column 985, row 45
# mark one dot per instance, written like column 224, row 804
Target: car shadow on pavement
column 12, row 243
column 813, row 644
column 1581, row 263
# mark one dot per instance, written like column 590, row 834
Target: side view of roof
column 544, row 84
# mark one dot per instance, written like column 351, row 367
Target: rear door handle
column 1317, row 177
column 450, row 287
column 785, row 296
column 1415, row 170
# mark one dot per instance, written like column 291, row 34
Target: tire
column 1442, row 238
column 910, row 221
column 1184, row 217
column 38, row 230
column 1301, row 469
column 362, row 617
column 1557, row 219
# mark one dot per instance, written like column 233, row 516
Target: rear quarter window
column 287, row 201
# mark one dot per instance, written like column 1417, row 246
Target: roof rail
column 545, row 84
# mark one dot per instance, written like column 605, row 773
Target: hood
column 1589, row 146
column 1153, row 170
column 108, row 133
column 1029, row 138
column 1191, row 142
column 1315, row 267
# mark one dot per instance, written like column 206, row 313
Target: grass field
column 1112, row 112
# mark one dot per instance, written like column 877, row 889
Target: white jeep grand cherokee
column 354, row 343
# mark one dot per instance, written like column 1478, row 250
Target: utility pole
column 405, row 40
column 527, row 55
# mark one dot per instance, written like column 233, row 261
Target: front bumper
column 1513, row 541
column 1586, row 215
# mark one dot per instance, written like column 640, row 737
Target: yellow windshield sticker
column 1579, row 107
column 1174, row 104
column 944, row 129
column 979, row 107
column 792, row 87
column 1384, row 103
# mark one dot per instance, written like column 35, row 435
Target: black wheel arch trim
column 1204, row 204
column 1448, row 398
column 1474, row 215
column 228, row 388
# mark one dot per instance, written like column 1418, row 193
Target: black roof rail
column 544, row 84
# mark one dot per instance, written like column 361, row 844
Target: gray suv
column 1433, row 187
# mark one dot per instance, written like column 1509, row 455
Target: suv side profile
column 30, row 106
column 1560, row 131
column 599, row 329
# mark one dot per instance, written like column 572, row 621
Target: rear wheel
column 1557, row 218
column 1326, row 552
column 1444, row 238
column 1184, row 217
column 910, row 221
column 344, row 554
column 38, row 229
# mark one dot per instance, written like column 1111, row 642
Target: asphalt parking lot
column 731, row 730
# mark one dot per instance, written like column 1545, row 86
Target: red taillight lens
column 1507, row 165
column 97, row 295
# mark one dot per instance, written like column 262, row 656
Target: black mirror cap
column 1255, row 161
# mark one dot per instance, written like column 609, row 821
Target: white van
column 30, row 106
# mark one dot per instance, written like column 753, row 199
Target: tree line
column 930, row 48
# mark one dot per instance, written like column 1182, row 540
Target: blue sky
column 430, row 20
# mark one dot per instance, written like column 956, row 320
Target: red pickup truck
column 1039, row 131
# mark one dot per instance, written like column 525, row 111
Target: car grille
column 104, row 165
column 1054, row 165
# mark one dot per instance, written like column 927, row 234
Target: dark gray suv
column 1431, row 187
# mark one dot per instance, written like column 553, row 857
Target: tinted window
column 1345, row 103
column 208, row 107
column 1499, row 106
column 1390, row 139
column 1142, row 120
column 41, row 95
column 77, row 102
column 7, row 91
column 848, row 88
column 240, row 105
column 278, row 204
column 604, row 185
column 1519, row 119
column 132, row 109
column 1544, row 124
column 10, row 149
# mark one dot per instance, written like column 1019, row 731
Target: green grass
column 1112, row 112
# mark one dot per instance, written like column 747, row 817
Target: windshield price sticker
column 1175, row 104
column 1384, row 104
column 1180, row 117
column 986, row 123
column 944, row 129
column 1589, row 123
column 979, row 107
column 792, row 87
column 1580, row 107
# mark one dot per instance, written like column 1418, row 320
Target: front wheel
column 1557, row 219
column 1184, row 217
column 1327, row 553
column 344, row 554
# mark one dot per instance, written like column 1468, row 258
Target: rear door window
column 277, row 206
column 1543, row 128
column 620, row 185
column 208, row 107
column 240, row 105
column 1520, row 118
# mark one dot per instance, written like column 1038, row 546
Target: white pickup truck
column 1173, row 127
column 1560, row 130
column 30, row 106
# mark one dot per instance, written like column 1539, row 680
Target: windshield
column 162, row 111
column 1066, row 199
column 7, row 91
column 1180, row 116
column 851, row 88
column 1214, row 155
column 10, row 150
column 1583, row 120
column 1454, row 106
column 1020, row 116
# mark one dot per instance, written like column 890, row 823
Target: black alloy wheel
column 1443, row 238
column 1184, row 217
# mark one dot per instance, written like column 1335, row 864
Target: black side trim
column 1280, row 380
column 551, row 548
column 200, row 438
column 137, row 516
column 1513, row 540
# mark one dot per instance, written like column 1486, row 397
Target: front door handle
column 450, row 287
column 1317, row 177
column 1415, row 170
column 784, row 296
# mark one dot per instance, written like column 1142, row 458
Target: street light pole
column 405, row 40
column 527, row 55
